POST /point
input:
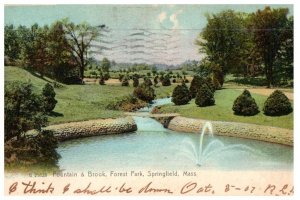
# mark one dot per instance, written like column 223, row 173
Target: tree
column 11, row 43
column 269, row 28
column 284, row 62
column 181, row 95
column 105, row 65
column 80, row 37
column 49, row 97
column 223, row 40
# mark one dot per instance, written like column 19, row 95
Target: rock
column 89, row 128
column 235, row 129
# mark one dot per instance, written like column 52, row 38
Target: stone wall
column 81, row 129
column 234, row 129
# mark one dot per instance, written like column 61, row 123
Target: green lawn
column 80, row 102
column 223, row 110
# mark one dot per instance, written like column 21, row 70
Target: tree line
column 259, row 43
column 60, row 50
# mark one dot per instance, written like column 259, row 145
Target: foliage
column 148, row 81
column 196, row 84
column 29, row 150
column 127, row 103
column 49, row 100
column 277, row 104
column 245, row 105
column 181, row 95
column 105, row 65
column 135, row 82
column 269, row 27
column 223, row 40
column 165, row 81
column 204, row 96
column 102, row 80
column 144, row 92
column 23, row 110
column 80, row 37
column 125, row 81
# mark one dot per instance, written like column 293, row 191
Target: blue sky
column 134, row 30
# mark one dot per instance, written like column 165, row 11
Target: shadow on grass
column 56, row 114
column 255, row 81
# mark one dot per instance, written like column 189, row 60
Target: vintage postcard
column 146, row 100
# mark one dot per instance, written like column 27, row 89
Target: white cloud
column 174, row 19
column 162, row 16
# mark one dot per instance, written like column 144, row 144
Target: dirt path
column 267, row 92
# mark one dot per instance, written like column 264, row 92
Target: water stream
column 154, row 147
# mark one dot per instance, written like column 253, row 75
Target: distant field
column 223, row 110
column 80, row 102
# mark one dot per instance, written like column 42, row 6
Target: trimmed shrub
column 49, row 100
column 181, row 95
column 277, row 104
column 155, row 81
column 216, row 83
column 101, row 80
column 144, row 92
column 210, row 84
column 166, row 81
column 125, row 81
column 135, row 81
column 204, row 97
column 245, row 105
column 148, row 81
column 196, row 84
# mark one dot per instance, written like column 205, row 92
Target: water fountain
column 199, row 153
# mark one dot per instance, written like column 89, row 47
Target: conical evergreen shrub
column 277, row 104
column 181, row 95
column 204, row 96
column 245, row 105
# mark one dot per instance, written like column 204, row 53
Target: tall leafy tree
column 105, row 65
column 11, row 42
column 223, row 40
column 80, row 37
column 269, row 28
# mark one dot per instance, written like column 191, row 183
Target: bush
column 49, row 98
column 196, row 84
column 166, row 81
column 210, row 84
column 24, row 111
column 216, row 83
column 125, row 81
column 101, row 80
column 144, row 92
column 181, row 95
column 155, row 81
column 277, row 104
column 204, row 97
column 245, row 105
column 148, row 81
column 127, row 103
column 135, row 81
column 106, row 76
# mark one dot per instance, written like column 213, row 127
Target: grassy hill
column 75, row 102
